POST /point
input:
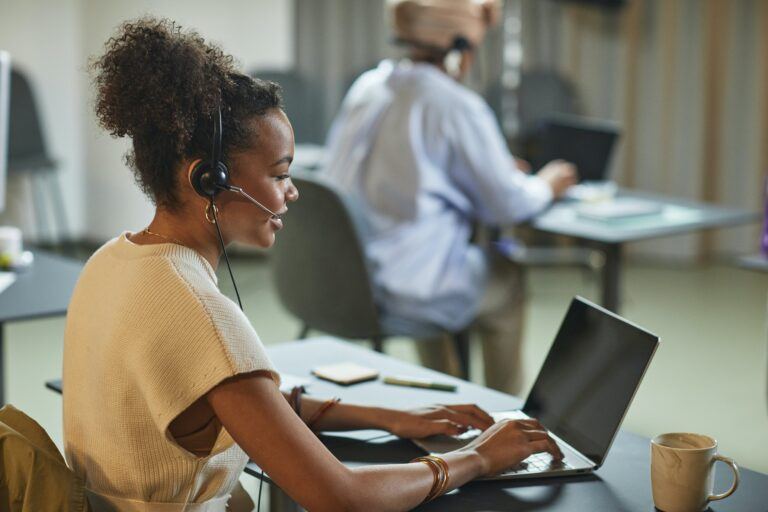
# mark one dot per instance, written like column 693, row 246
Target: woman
column 169, row 389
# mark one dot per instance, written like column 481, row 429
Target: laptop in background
column 581, row 393
column 586, row 142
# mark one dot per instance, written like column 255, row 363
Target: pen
column 415, row 382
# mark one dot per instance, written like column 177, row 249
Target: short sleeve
column 201, row 339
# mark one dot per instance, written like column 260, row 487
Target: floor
column 709, row 375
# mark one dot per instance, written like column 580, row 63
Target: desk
column 679, row 216
column 756, row 262
column 622, row 484
column 42, row 290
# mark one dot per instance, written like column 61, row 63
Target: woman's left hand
column 449, row 420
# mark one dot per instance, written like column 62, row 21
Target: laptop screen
column 589, row 377
column 584, row 142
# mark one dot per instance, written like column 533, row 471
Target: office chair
column 300, row 101
column 28, row 155
column 35, row 475
column 321, row 275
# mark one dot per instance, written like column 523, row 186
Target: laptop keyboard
column 536, row 463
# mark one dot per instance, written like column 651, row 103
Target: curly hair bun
column 154, row 77
column 160, row 86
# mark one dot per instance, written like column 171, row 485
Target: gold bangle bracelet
column 435, row 478
column 440, row 469
column 444, row 466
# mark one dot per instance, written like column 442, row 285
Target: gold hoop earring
column 211, row 218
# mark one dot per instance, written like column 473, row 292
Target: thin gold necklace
column 170, row 239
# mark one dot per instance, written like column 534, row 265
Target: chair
column 321, row 275
column 33, row 474
column 28, row 155
column 300, row 101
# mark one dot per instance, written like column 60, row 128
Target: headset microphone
column 239, row 190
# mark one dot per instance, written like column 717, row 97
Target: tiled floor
column 708, row 376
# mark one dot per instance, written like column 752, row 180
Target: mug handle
column 735, row 469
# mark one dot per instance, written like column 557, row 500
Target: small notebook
column 345, row 373
column 618, row 209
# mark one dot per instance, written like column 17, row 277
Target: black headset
column 210, row 177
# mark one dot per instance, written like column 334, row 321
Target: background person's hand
column 438, row 419
column 560, row 175
column 523, row 165
column 509, row 442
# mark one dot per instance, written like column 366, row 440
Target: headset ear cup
column 208, row 182
column 196, row 177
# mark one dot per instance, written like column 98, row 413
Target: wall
column 44, row 38
column 54, row 40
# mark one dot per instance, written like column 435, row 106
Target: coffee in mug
column 683, row 470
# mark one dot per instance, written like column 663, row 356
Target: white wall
column 44, row 38
column 258, row 33
column 53, row 40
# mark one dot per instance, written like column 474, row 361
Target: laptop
column 586, row 142
column 581, row 394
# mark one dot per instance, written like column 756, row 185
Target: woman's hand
column 437, row 419
column 509, row 442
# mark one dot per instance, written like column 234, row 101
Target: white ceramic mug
column 682, row 472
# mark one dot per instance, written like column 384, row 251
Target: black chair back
column 319, row 265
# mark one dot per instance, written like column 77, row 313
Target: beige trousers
column 499, row 324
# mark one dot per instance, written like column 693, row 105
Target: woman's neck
column 198, row 235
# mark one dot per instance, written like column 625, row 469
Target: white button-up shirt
column 424, row 158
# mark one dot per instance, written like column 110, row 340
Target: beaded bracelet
column 295, row 399
column 322, row 410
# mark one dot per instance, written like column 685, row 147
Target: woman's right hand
column 509, row 442
column 560, row 175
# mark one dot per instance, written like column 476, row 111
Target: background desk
column 679, row 216
column 756, row 262
column 40, row 291
column 622, row 484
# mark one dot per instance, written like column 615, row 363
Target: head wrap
column 438, row 23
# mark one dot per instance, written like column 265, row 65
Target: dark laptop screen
column 585, row 142
column 589, row 377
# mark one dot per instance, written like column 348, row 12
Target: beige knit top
column 148, row 333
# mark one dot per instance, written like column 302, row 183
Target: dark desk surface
column 756, row 262
column 678, row 216
column 622, row 484
column 42, row 290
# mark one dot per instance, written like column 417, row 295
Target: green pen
column 415, row 382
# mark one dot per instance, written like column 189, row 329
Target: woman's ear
column 190, row 169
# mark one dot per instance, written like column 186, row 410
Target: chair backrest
column 319, row 264
column 35, row 476
column 300, row 102
column 543, row 93
column 25, row 142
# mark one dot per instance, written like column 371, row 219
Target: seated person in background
column 169, row 390
column 425, row 159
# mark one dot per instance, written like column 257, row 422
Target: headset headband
column 217, row 131
column 460, row 43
